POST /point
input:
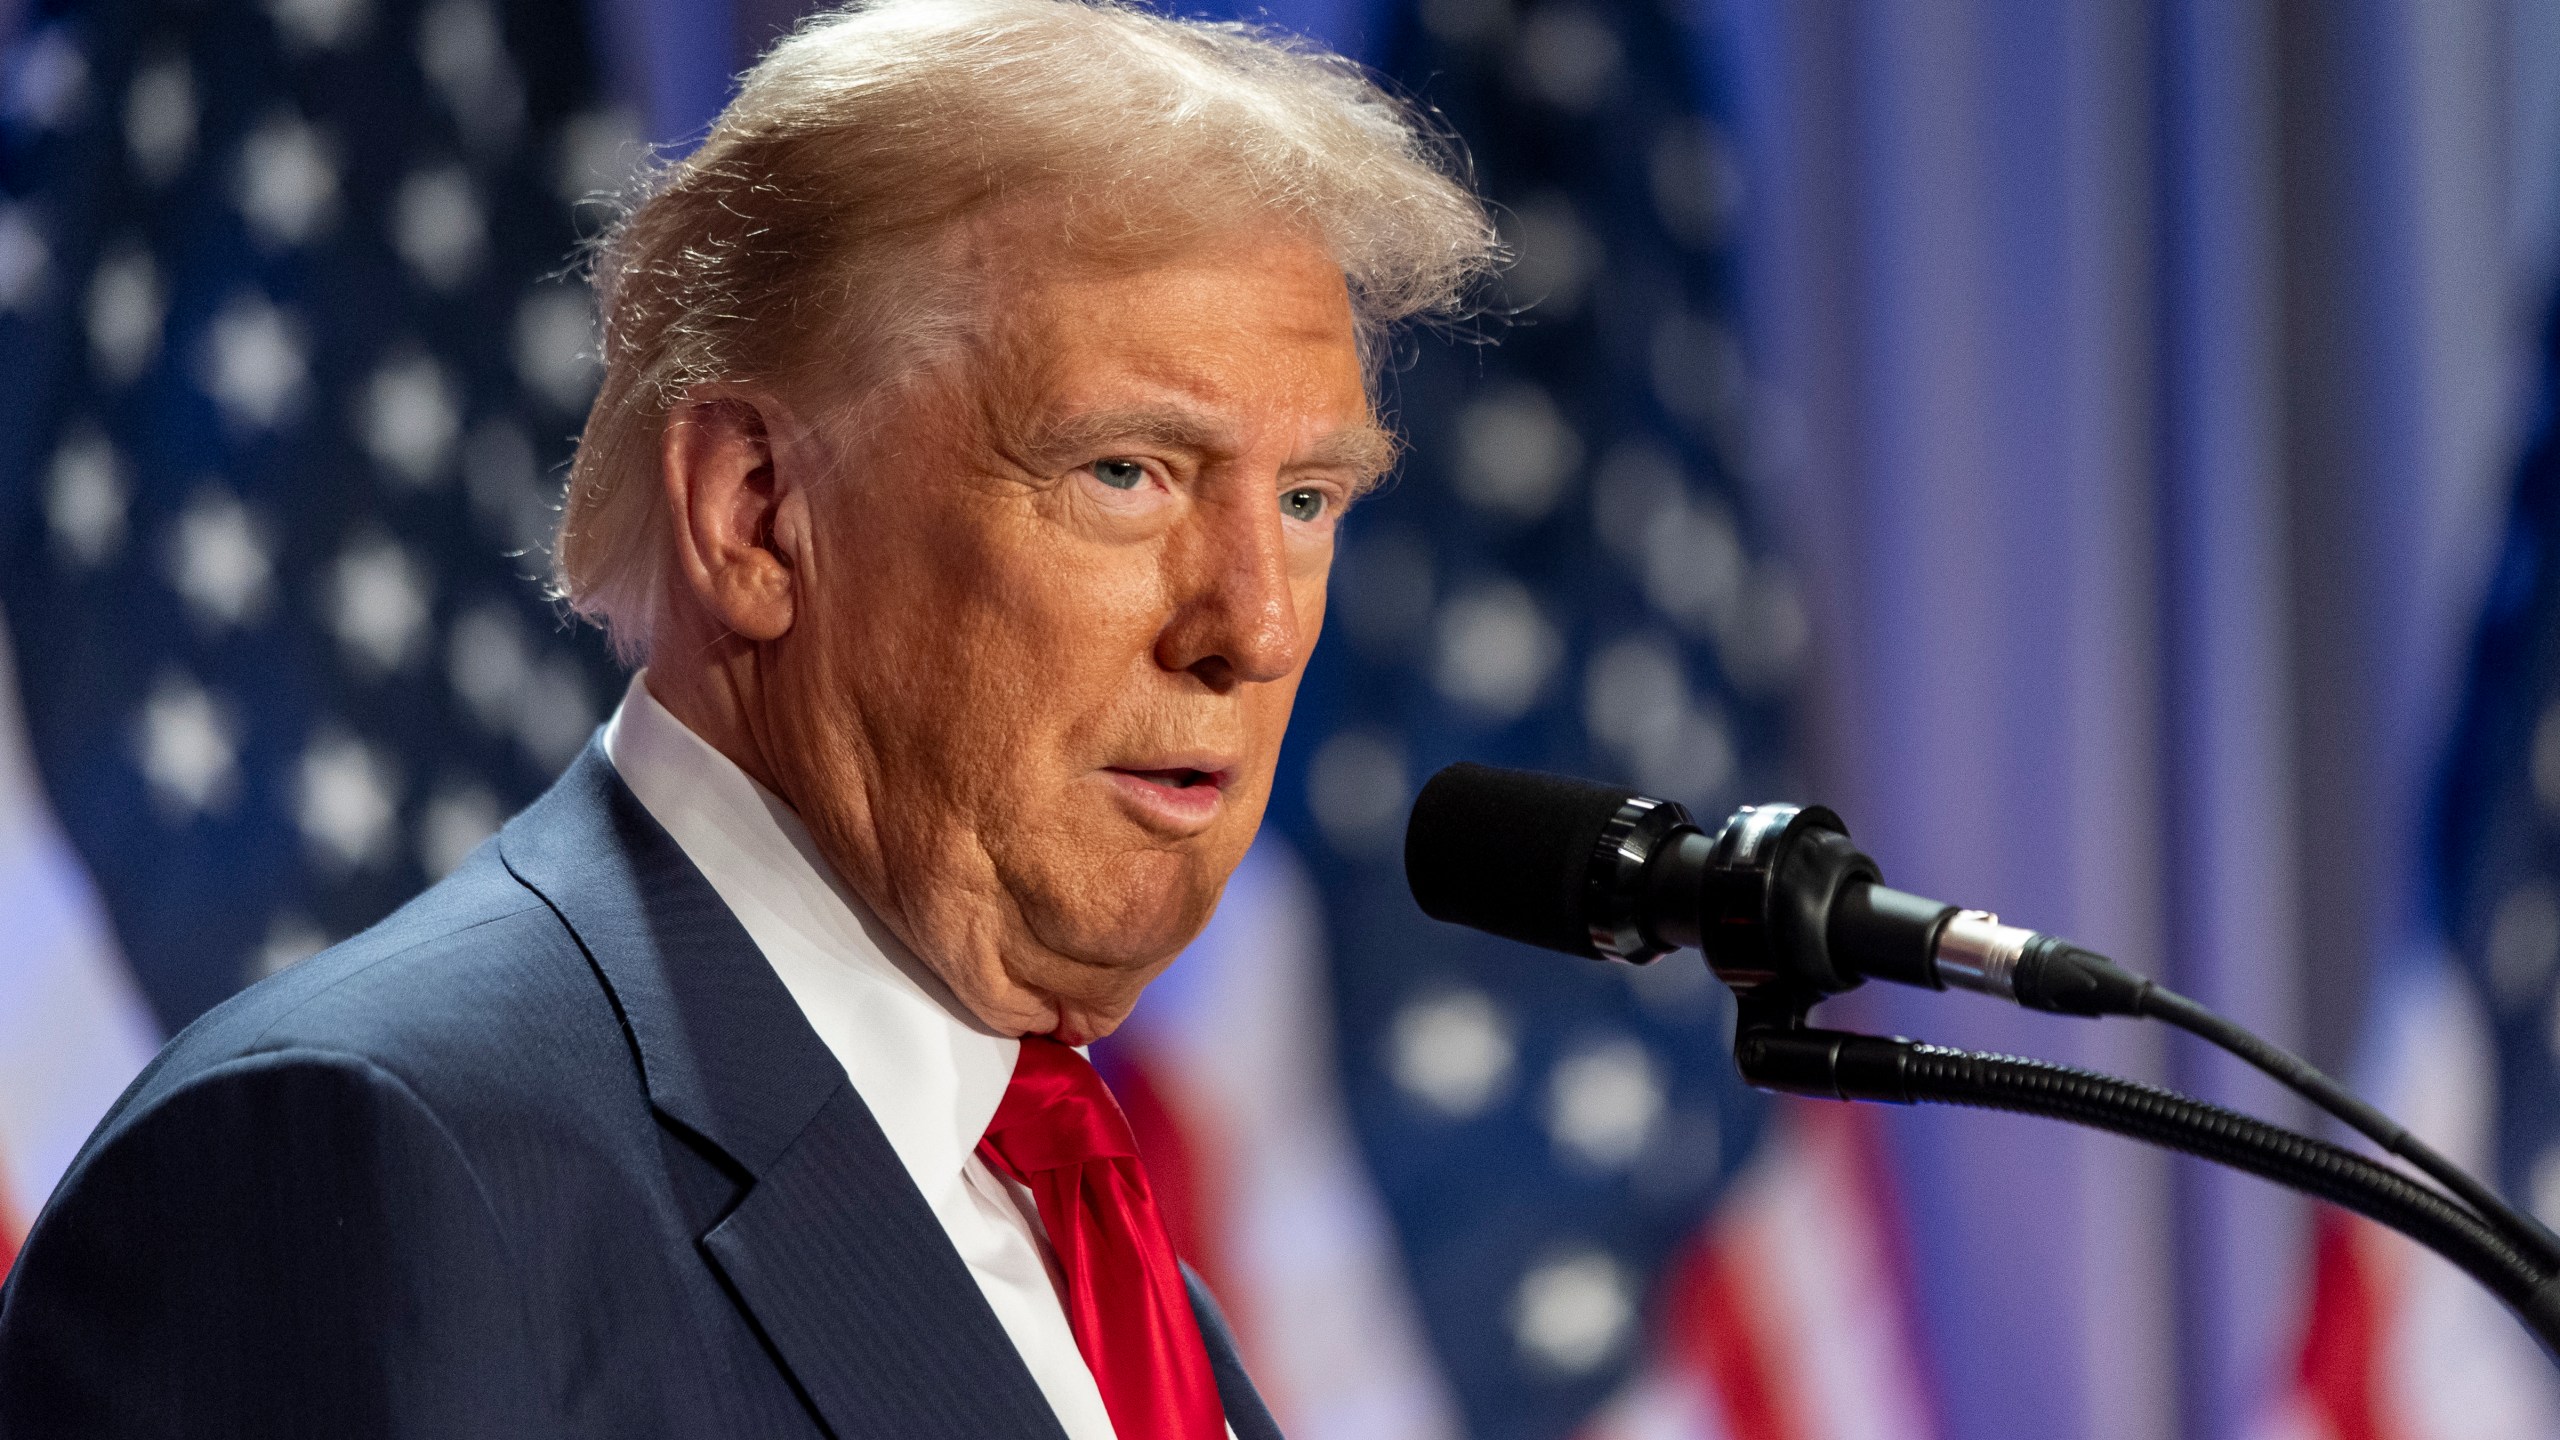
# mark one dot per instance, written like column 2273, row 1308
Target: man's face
column 1056, row 607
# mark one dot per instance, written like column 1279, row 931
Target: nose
column 1234, row 617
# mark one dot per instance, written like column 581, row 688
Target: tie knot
column 1056, row 1113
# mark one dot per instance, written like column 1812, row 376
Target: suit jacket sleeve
column 287, row 1244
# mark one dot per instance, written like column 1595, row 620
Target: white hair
column 816, row 220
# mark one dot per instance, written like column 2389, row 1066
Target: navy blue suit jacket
column 550, row 1152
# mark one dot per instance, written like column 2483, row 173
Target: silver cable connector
column 1978, row 953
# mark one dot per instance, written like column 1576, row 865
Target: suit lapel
column 910, row 1347
column 833, row 1252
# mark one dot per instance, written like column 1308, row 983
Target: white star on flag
column 437, row 227
column 410, row 417
column 127, row 303
column 87, row 496
column 319, row 24
column 218, row 560
column 160, row 119
column 287, row 187
column 379, row 597
column 347, row 801
column 190, row 748
column 254, row 367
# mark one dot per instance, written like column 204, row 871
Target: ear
column 739, row 511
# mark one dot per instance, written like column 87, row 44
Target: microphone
column 1778, row 897
column 1788, row 912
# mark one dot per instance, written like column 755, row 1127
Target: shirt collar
column 930, row 1073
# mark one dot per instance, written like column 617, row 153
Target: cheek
column 985, row 591
column 1072, row 632
column 1312, row 590
column 992, row 663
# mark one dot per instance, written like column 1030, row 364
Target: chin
column 1122, row 921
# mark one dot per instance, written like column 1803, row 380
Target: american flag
column 1452, row 1186
column 293, row 359
column 2466, row 1047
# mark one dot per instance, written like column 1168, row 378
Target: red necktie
column 1063, row 1137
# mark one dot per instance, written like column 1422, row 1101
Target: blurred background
column 2102, row 449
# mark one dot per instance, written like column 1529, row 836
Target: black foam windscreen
column 1509, row 852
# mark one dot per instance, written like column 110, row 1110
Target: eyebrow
column 1363, row 448
column 1367, row 449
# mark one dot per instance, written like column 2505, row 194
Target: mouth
column 1180, row 796
column 1175, row 777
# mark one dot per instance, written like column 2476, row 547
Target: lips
column 1177, row 794
column 1178, row 777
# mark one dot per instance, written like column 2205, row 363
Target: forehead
column 1262, row 328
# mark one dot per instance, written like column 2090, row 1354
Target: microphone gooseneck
column 1833, row 1065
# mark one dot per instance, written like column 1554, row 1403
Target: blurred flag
column 73, row 1030
column 290, row 366
column 1450, row 1186
column 2465, row 1045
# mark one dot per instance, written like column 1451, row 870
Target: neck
column 710, row 685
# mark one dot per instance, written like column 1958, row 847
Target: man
column 981, row 402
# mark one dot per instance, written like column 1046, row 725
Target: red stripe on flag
column 2342, row 1343
column 11, row 1232
column 1711, row 1328
column 1881, row 1199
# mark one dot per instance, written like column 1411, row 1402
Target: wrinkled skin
column 988, row 649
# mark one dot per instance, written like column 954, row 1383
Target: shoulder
column 284, row 1241
column 472, row 998
column 398, row 1103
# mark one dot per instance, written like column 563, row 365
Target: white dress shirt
column 929, row 1072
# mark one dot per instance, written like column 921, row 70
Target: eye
column 1120, row 474
column 1304, row 503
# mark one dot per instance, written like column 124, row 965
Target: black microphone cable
column 2058, row 977
column 2520, row 1227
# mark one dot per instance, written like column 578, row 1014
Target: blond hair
column 814, row 222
